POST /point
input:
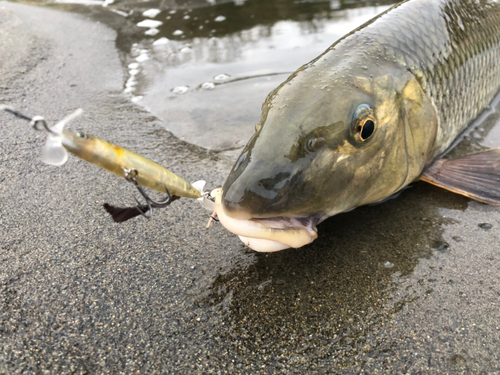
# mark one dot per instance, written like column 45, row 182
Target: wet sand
column 407, row 286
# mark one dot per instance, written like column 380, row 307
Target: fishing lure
column 135, row 168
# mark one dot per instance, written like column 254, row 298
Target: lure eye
column 314, row 143
column 81, row 135
column 363, row 123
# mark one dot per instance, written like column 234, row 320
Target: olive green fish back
column 451, row 46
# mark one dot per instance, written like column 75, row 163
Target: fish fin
column 476, row 176
column 121, row 214
column 53, row 152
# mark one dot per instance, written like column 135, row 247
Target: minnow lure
column 122, row 162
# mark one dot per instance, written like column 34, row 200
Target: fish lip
column 308, row 222
column 280, row 232
column 288, row 223
column 271, row 233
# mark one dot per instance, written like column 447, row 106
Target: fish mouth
column 266, row 234
column 278, row 233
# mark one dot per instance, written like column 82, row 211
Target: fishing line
column 14, row 112
column 34, row 121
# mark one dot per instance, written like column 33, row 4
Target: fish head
column 334, row 136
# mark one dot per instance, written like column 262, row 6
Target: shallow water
column 409, row 285
column 206, row 69
column 209, row 89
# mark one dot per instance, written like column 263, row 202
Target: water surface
column 205, row 67
column 209, row 89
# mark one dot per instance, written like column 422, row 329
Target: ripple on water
column 151, row 13
column 208, row 86
column 180, row 89
column 150, row 23
column 222, row 77
column 249, row 62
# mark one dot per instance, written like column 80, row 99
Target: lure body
column 121, row 162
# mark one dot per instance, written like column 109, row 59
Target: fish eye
column 363, row 123
column 81, row 135
column 366, row 128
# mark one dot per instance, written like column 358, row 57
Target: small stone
column 180, row 89
column 440, row 245
column 222, row 77
column 485, row 226
column 161, row 41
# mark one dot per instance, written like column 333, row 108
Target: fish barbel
column 368, row 117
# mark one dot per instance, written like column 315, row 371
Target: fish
column 115, row 159
column 372, row 114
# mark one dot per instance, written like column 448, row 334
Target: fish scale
column 452, row 46
column 400, row 89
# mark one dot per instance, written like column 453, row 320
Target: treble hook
column 131, row 175
column 120, row 214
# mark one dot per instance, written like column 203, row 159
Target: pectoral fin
column 475, row 176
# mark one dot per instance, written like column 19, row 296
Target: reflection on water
column 256, row 45
column 175, row 50
column 201, row 18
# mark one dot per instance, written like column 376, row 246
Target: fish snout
column 250, row 196
column 234, row 203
